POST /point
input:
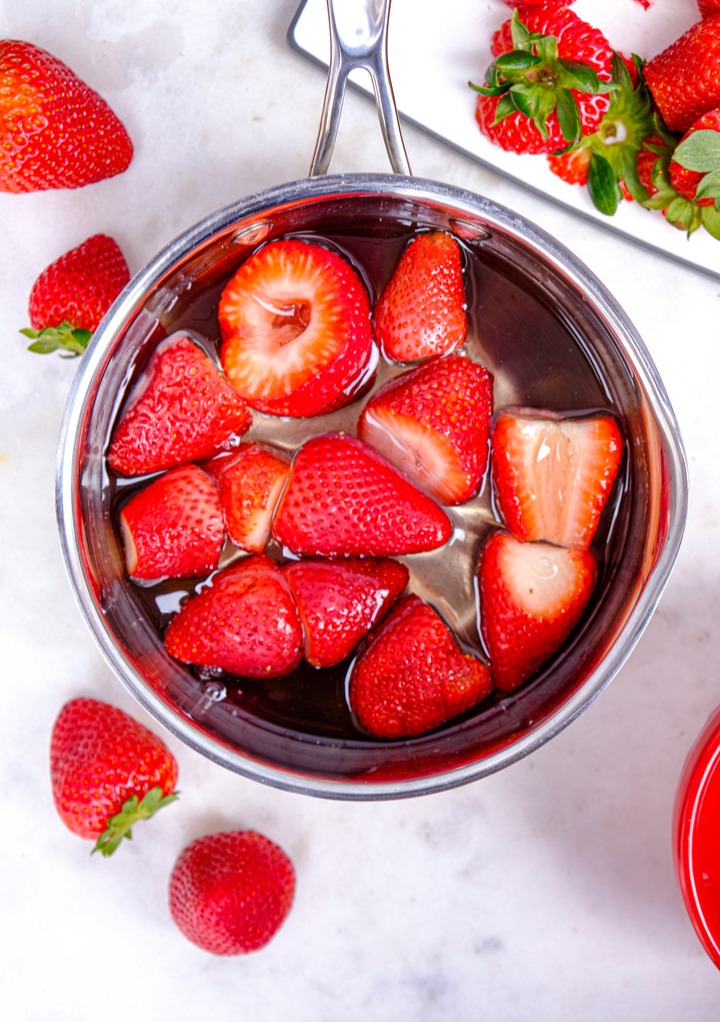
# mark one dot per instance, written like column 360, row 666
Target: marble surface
column 546, row 891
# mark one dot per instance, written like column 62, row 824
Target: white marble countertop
column 545, row 891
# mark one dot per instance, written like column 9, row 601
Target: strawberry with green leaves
column 605, row 161
column 549, row 83
column 230, row 892
column 55, row 131
column 73, row 293
column 531, row 597
column 413, row 677
column 107, row 772
column 421, row 312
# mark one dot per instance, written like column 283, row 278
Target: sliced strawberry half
column 339, row 602
column 421, row 312
column 250, row 482
column 173, row 527
column 413, row 677
column 296, row 331
column 342, row 499
column 433, row 424
column 245, row 622
column 553, row 474
column 532, row 595
column 181, row 409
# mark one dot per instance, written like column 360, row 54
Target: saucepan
column 532, row 302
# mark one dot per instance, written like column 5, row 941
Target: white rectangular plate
column 435, row 49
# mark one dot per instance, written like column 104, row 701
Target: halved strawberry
column 433, row 424
column 250, row 482
column 181, row 409
column 421, row 312
column 339, row 602
column 532, row 595
column 413, row 677
column 245, row 622
column 342, row 499
column 173, row 527
column 554, row 474
column 296, row 332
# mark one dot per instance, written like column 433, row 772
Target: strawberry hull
column 551, row 338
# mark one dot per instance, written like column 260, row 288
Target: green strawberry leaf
column 581, row 76
column 64, row 338
column 631, row 178
column 568, row 115
column 602, row 185
column 504, row 108
column 134, row 809
column 516, row 60
column 709, row 186
column 700, row 151
column 711, row 221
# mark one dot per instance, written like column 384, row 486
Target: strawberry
column 548, row 84
column 553, row 474
column 55, row 131
column 339, row 602
column 684, row 78
column 230, row 892
column 708, row 7
column 173, row 528
column 245, row 622
column 182, row 409
column 250, row 483
column 296, row 331
column 547, row 5
column 72, row 294
column 433, row 424
column 531, row 596
column 606, row 160
column 413, row 677
column 421, row 311
column 107, row 772
column 342, row 499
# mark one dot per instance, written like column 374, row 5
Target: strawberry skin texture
column 80, row 286
column 340, row 601
column 531, row 596
column 99, row 758
column 433, row 424
column 685, row 78
column 553, row 475
column 413, row 677
column 55, row 131
column 576, row 41
column 173, row 527
column 422, row 310
column 342, row 499
column 250, row 482
column 245, row 622
column 296, row 331
column 230, row 892
column 182, row 409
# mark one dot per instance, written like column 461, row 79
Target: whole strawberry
column 107, row 772
column 55, row 131
column 548, row 84
column 72, row 294
column 230, row 892
column 684, row 78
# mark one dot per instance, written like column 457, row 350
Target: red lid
column 696, row 835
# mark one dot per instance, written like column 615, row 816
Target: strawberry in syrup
column 182, row 409
column 421, row 312
column 433, row 424
column 250, row 482
column 342, row 499
column 554, row 474
column 296, row 333
column 531, row 596
column 340, row 601
column 413, row 677
column 244, row 622
column 173, row 527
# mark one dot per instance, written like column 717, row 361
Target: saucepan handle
column 358, row 39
